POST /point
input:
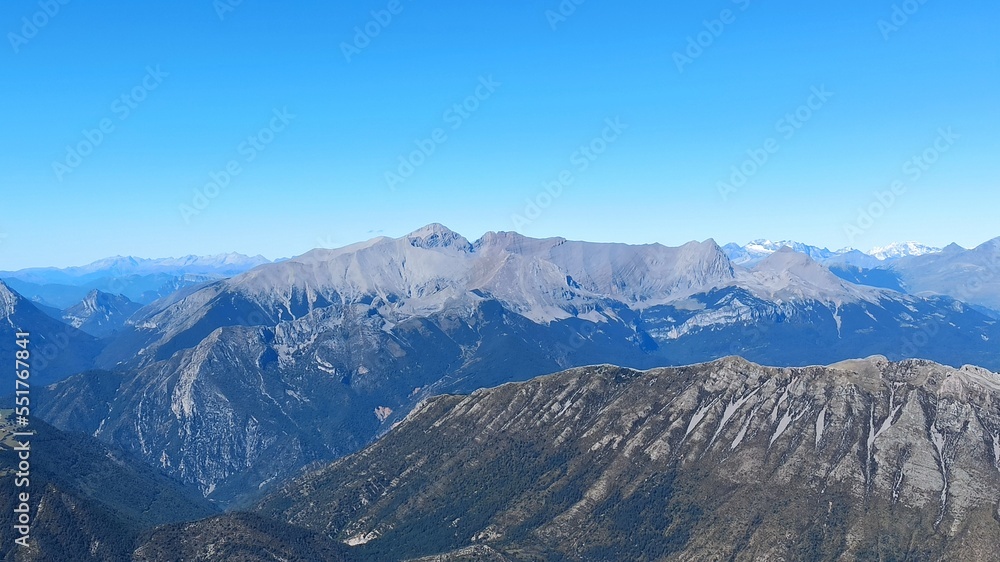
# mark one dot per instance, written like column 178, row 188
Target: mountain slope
column 88, row 501
column 972, row 276
column 790, row 275
column 864, row 460
column 791, row 310
column 237, row 537
column 250, row 405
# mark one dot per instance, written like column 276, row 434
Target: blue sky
column 643, row 109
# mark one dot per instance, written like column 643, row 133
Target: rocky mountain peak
column 437, row 235
column 100, row 314
column 515, row 243
column 790, row 274
column 787, row 260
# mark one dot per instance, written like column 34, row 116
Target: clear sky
column 665, row 98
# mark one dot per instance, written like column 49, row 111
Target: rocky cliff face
column 861, row 460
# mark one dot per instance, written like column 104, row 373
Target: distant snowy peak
column 898, row 250
column 757, row 250
column 769, row 247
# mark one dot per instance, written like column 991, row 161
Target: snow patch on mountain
column 753, row 252
column 756, row 250
column 901, row 250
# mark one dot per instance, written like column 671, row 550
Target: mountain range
column 140, row 280
column 756, row 250
column 235, row 385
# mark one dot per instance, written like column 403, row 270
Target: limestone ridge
column 727, row 459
